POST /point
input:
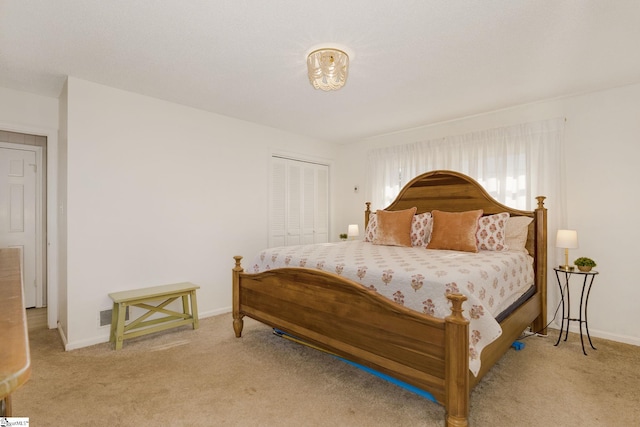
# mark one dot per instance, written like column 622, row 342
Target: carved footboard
column 344, row 318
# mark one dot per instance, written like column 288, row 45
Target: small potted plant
column 584, row 263
column 343, row 236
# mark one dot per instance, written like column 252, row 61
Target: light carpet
column 207, row 377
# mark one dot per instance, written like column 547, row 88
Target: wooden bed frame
column 344, row 318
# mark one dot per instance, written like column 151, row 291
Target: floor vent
column 105, row 316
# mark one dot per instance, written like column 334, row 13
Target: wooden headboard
column 455, row 192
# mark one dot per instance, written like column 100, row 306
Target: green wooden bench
column 120, row 330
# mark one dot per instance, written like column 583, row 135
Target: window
column 514, row 164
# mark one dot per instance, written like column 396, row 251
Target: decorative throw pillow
column 394, row 227
column 455, row 230
column 491, row 232
column 421, row 229
column 517, row 230
column 372, row 228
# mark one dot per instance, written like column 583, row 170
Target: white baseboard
column 596, row 333
column 104, row 337
column 63, row 337
column 202, row 315
column 211, row 313
column 86, row 343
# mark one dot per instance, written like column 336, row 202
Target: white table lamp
column 353, row 231
column 567, row 239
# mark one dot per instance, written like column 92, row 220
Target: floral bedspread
column 420, row 278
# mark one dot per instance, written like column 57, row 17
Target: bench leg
column 194, row 310
column 185, row 309
column 114, row 322
column 185, row 304
column 119, row 330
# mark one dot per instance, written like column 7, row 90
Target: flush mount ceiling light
column 328, row 68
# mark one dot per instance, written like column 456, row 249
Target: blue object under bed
column 517, row 345
column 385, row 377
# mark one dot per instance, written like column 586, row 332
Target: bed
column 339, row 315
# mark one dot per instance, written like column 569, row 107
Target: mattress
column 420, row 279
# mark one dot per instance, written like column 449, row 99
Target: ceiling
column 413, row 63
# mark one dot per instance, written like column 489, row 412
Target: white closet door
column 299, row 207
column 308, row 203
column 322, row 205
column 294, row 204
column 278, row 203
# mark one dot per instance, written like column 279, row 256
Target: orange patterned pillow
column 420, row 229
column 455, row 230
column 394, row 227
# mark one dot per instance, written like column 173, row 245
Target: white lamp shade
column 567, row 239
column 353, row 230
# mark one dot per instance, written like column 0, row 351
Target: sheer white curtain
column 514, row 164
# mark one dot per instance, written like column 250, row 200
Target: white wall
column 21, row 109
column 601, row 138
column 61, row 189
column 160, row 193
column 602, row 169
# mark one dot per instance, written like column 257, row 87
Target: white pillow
column 517, row 232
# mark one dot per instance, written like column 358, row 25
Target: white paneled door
column 18, row 212
column 299, row 202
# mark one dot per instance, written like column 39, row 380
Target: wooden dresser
column 15, row 362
